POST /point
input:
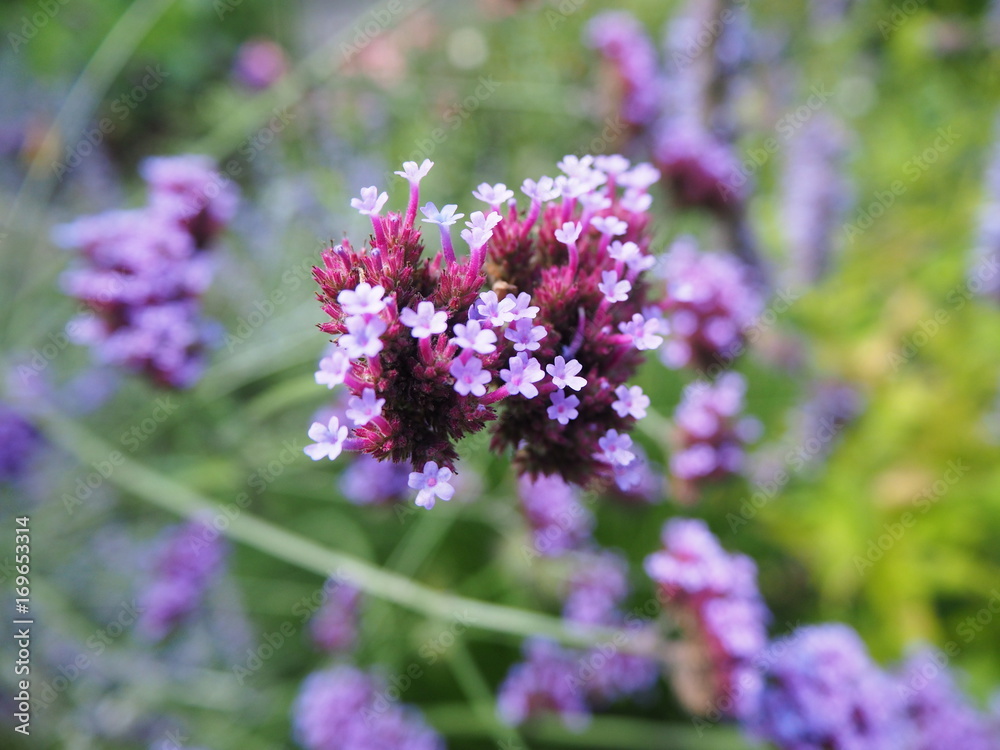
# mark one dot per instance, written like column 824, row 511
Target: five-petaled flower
column 470, row 377
column 566, row 374
column 425, row 321
column 333, row 368
column 616, row 448
column 362, row 337
column 645, row 332
column 525, row 336
column 414, row 173
column 563, row 407
column 631, row 402
column 524, row 372
column 430, row 483
column 613, row 289
column 496, row 312
column 328, row 439
column 444, row 217
column 473, row 336
column 363, row 410
column 370, row 202
column 363, row 300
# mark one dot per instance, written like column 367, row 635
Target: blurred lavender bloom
column 544, row 683
column 142, row 272
column 823, row 691
column 817, row 195
column 624, row 43
column 710, row 303
column 368, row 481
column 714, row 597
column 597, row 586
column 20, row 443
column 344, row 708
column 701, row 170
column 558, row 520
column 259, row 64
column 188, row 561
column 334, row 627
column 710, row 432
column 940, row 715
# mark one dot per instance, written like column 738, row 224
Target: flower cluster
column 623, row 42
column 701, row 170
column 19, row 444
column 344, row 708
column 822, row 690
column 334, row 627
column 544, row 352
column 558, row 520
column 189, row 560
column 714, row 598
column 144, row 270
column 571, row 682
column 710, row 434
column 710, row 303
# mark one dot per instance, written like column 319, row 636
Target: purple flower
column 445, row 217
column 523, row 309
column 363, row 300
column 495, row 311
column 714, row 596
column 623, row 41
column 368, row 481
column 189, row 190
column 645, row 332
column 597, row 587
column 363, row 410
column 569, row 233
column 259, row 64
column 563, row 408
column 558, row 520
column 334, row 626
column 631, row 402
column 470, row 377
column 426, row 321
column 430, row 483
column 522, row 376
column 328, row 439
column 613, row 289
column 493, row 194
column 370, row 202
column 543, row 684
column 333, row 368
column 473, row 336
column 525, row 336
column 413, row 173
column 20, row 443
column 187, row 562
column 616, row 449
column 344, row 707
column 362, row 336
column 565, row 374
column 821, row 690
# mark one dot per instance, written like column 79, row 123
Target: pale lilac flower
column 362, row 337
column 524, row 335
column 609, row 225
column 328, row 439
column 565, row 374
column 613, row 289
column 612, row 164
column 542, row 191
column 563, row 407
column 413, row 173
column 496, row 312
column 476, row 237
column 473, row 336
column 630, row 254
column 645, row 332
column 370, row 202
column 631, row 402
column 616, row 449
column 431, row 483
column 522, row 375
column 444, row 217
column 636, row 201
column 493, row 194
column 483, row 221
column 576, row 166
column 522, row 306
column 363, row 410
column 470, row 377
column 333, row 368
column 594, row 202
column 425, row 321
column 640, row 177
column 363, row 300
column 569, row 232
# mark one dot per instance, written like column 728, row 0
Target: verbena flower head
column 702, row 170
column 822, row 691
column 446, row 345
column 709, row 304
column 187, row 563
column 713, row 596
column 141, row 272
column 624, row 43
column 345, row 707
column 710, row 431
column 937, row 713
column 543, row 684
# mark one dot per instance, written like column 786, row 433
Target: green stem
column 241, row 526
